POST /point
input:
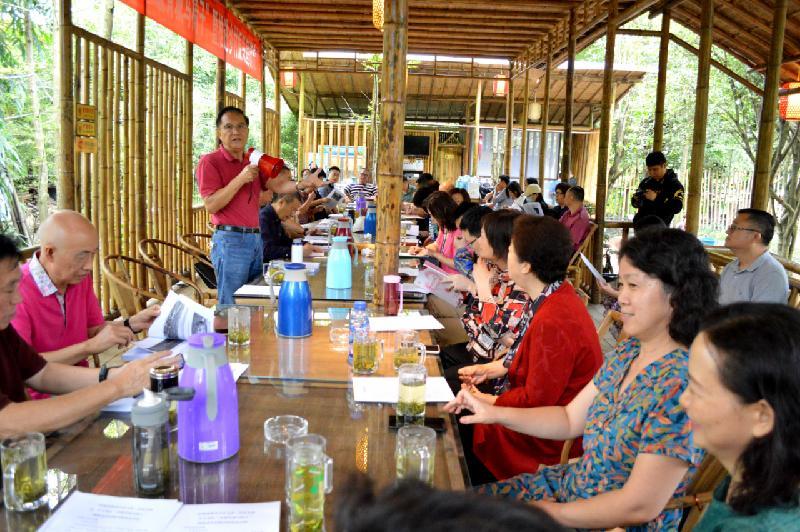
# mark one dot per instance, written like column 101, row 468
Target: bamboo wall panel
column 272, row 143
column 104, row 76
column 234, row 100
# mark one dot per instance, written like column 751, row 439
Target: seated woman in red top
column 557, row 356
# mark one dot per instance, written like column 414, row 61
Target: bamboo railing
column 107, row 182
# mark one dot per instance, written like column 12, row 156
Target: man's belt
column 238, row 229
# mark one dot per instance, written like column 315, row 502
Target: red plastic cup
column 392, row 295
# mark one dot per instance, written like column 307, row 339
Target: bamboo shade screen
column 338, row 143
column 272, row 142
column 201, row 220
column 106, row 181
column 234, row 100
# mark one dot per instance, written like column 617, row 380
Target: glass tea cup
column 414, row 453
column 309, row 476
column 411, row 395
column 279, row 430
column 367, row 353
column 408, row 349
column 24, row 463
column 239, row 325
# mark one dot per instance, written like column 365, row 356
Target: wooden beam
column 664, row 5
column 605, row 141
column 301, row 106
column 509, row 128
column 785, row 61
column 545, row 111
column 66, row 108
column 523, row 155
column 390, row 151
column 276, row 150
column 566, row 152
column 744, row 81
column 700, row 118
column 766, row 128
column 661, row 85
column 477, row 133
column 638, row 33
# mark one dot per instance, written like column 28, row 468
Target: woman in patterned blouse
column 637, row 439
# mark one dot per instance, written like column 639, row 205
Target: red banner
column 210, row 25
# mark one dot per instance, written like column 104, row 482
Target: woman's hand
column 487, row 398
column 608, row 289
column 481, row 412
column 478, row 373
column 418, row 251
column 484, row 280
column 461, row 283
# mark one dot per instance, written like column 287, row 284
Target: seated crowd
column 707, row 369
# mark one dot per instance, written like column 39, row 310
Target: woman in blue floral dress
column 638, row 449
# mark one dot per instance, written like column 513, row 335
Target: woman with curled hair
column 638, row 449
column 442, row 209
column 743, row 400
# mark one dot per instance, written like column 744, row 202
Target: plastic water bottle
column 297, row 250
column 359, row 323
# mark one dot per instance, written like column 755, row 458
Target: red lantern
column 789, row 104
column 500, row 87
column 288, row 79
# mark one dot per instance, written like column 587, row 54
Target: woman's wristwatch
column 127, row 323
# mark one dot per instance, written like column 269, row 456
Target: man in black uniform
column 659, row 194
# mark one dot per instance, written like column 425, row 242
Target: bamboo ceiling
column 338, row 94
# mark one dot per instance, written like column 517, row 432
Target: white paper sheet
column 256, row 290
column 592, row 269
column 238, row 368
column 401, row 323
column 317, row 240
column 250, row 517
column 86, row 512
column 386, row 390
column 181, row 317
column 411, row 272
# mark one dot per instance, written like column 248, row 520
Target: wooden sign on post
column 85, row 144
column 86, row 129
column 85, row 112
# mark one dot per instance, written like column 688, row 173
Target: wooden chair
column 199, row 244
column 153, row 251
column 133, row 282
column 575, row 263
column 700, row 491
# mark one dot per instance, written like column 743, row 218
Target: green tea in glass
column 415, row 453
column 411, row 399
column 309, row 476
column 408, row 349
column 239, row 326
column 367, row 353
column 24, row 465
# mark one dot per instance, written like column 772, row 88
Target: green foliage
column 289, row 137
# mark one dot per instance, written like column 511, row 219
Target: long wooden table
column 300, row 377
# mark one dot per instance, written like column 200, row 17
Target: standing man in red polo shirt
column 231, row 187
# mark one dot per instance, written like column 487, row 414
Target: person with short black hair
column 554, row 355
column 743, row 400
column 364, row 187
column 277, row 244
column 498, row 198
column 754, row 275
column 638, row 449
column 460, row 196
column 231, row 188
column 408, row 190
column 442, row 210
column 84, row 390
column 660, row 193
column 514, row 192
column 576, row 217
column 411, row 506
column 560, row 206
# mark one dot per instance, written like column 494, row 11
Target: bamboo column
column 188, row 97
column 264, row 146
column 477, row 131
column 66, row 108
column 301, row 107
column 700, row 118
column 243, row 90
column 605, row 134
column 374, row 148
column 509, row 127
column 766, row 129
column 390, row 152
column 523, row 156
column 545, row 112
column 566, row 155
column 661, row 87
column 277, row 141
column 220, row 84
column 140, row 144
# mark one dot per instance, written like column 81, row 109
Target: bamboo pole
column 346, row 150
column 390, row 151
column 243, row 90
column 338, row 144
column 263, row 87
column 127, row 149
column 100, row 212
column 509, row 128
column 700, row 118
column 140, row 154
column 220, row 84
column 477, row 131
column 605, row 137
column 117, row 175
column 277, row 139
column 523, row 156
column 766, row 128
column 85, row 167
column 545, row 112
column 66, row 110
column 188, row 96
column 566, row 152
column 661, row 87
column 372, row 149
column 300, row 125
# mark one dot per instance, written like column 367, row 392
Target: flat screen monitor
column 416, row 146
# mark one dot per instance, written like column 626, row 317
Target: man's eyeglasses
column 236, row 127
column 734, row 227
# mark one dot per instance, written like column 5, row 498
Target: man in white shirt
column 754, row 275
column 363, row 187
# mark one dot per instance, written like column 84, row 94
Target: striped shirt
column 368, row 190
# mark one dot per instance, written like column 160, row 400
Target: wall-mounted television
column 416, row 146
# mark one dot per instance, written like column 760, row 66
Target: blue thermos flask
column 371, row 221
column 294, row 303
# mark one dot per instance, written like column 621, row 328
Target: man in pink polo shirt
column 231, row 188
column 576, row 217
column 60, row 316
